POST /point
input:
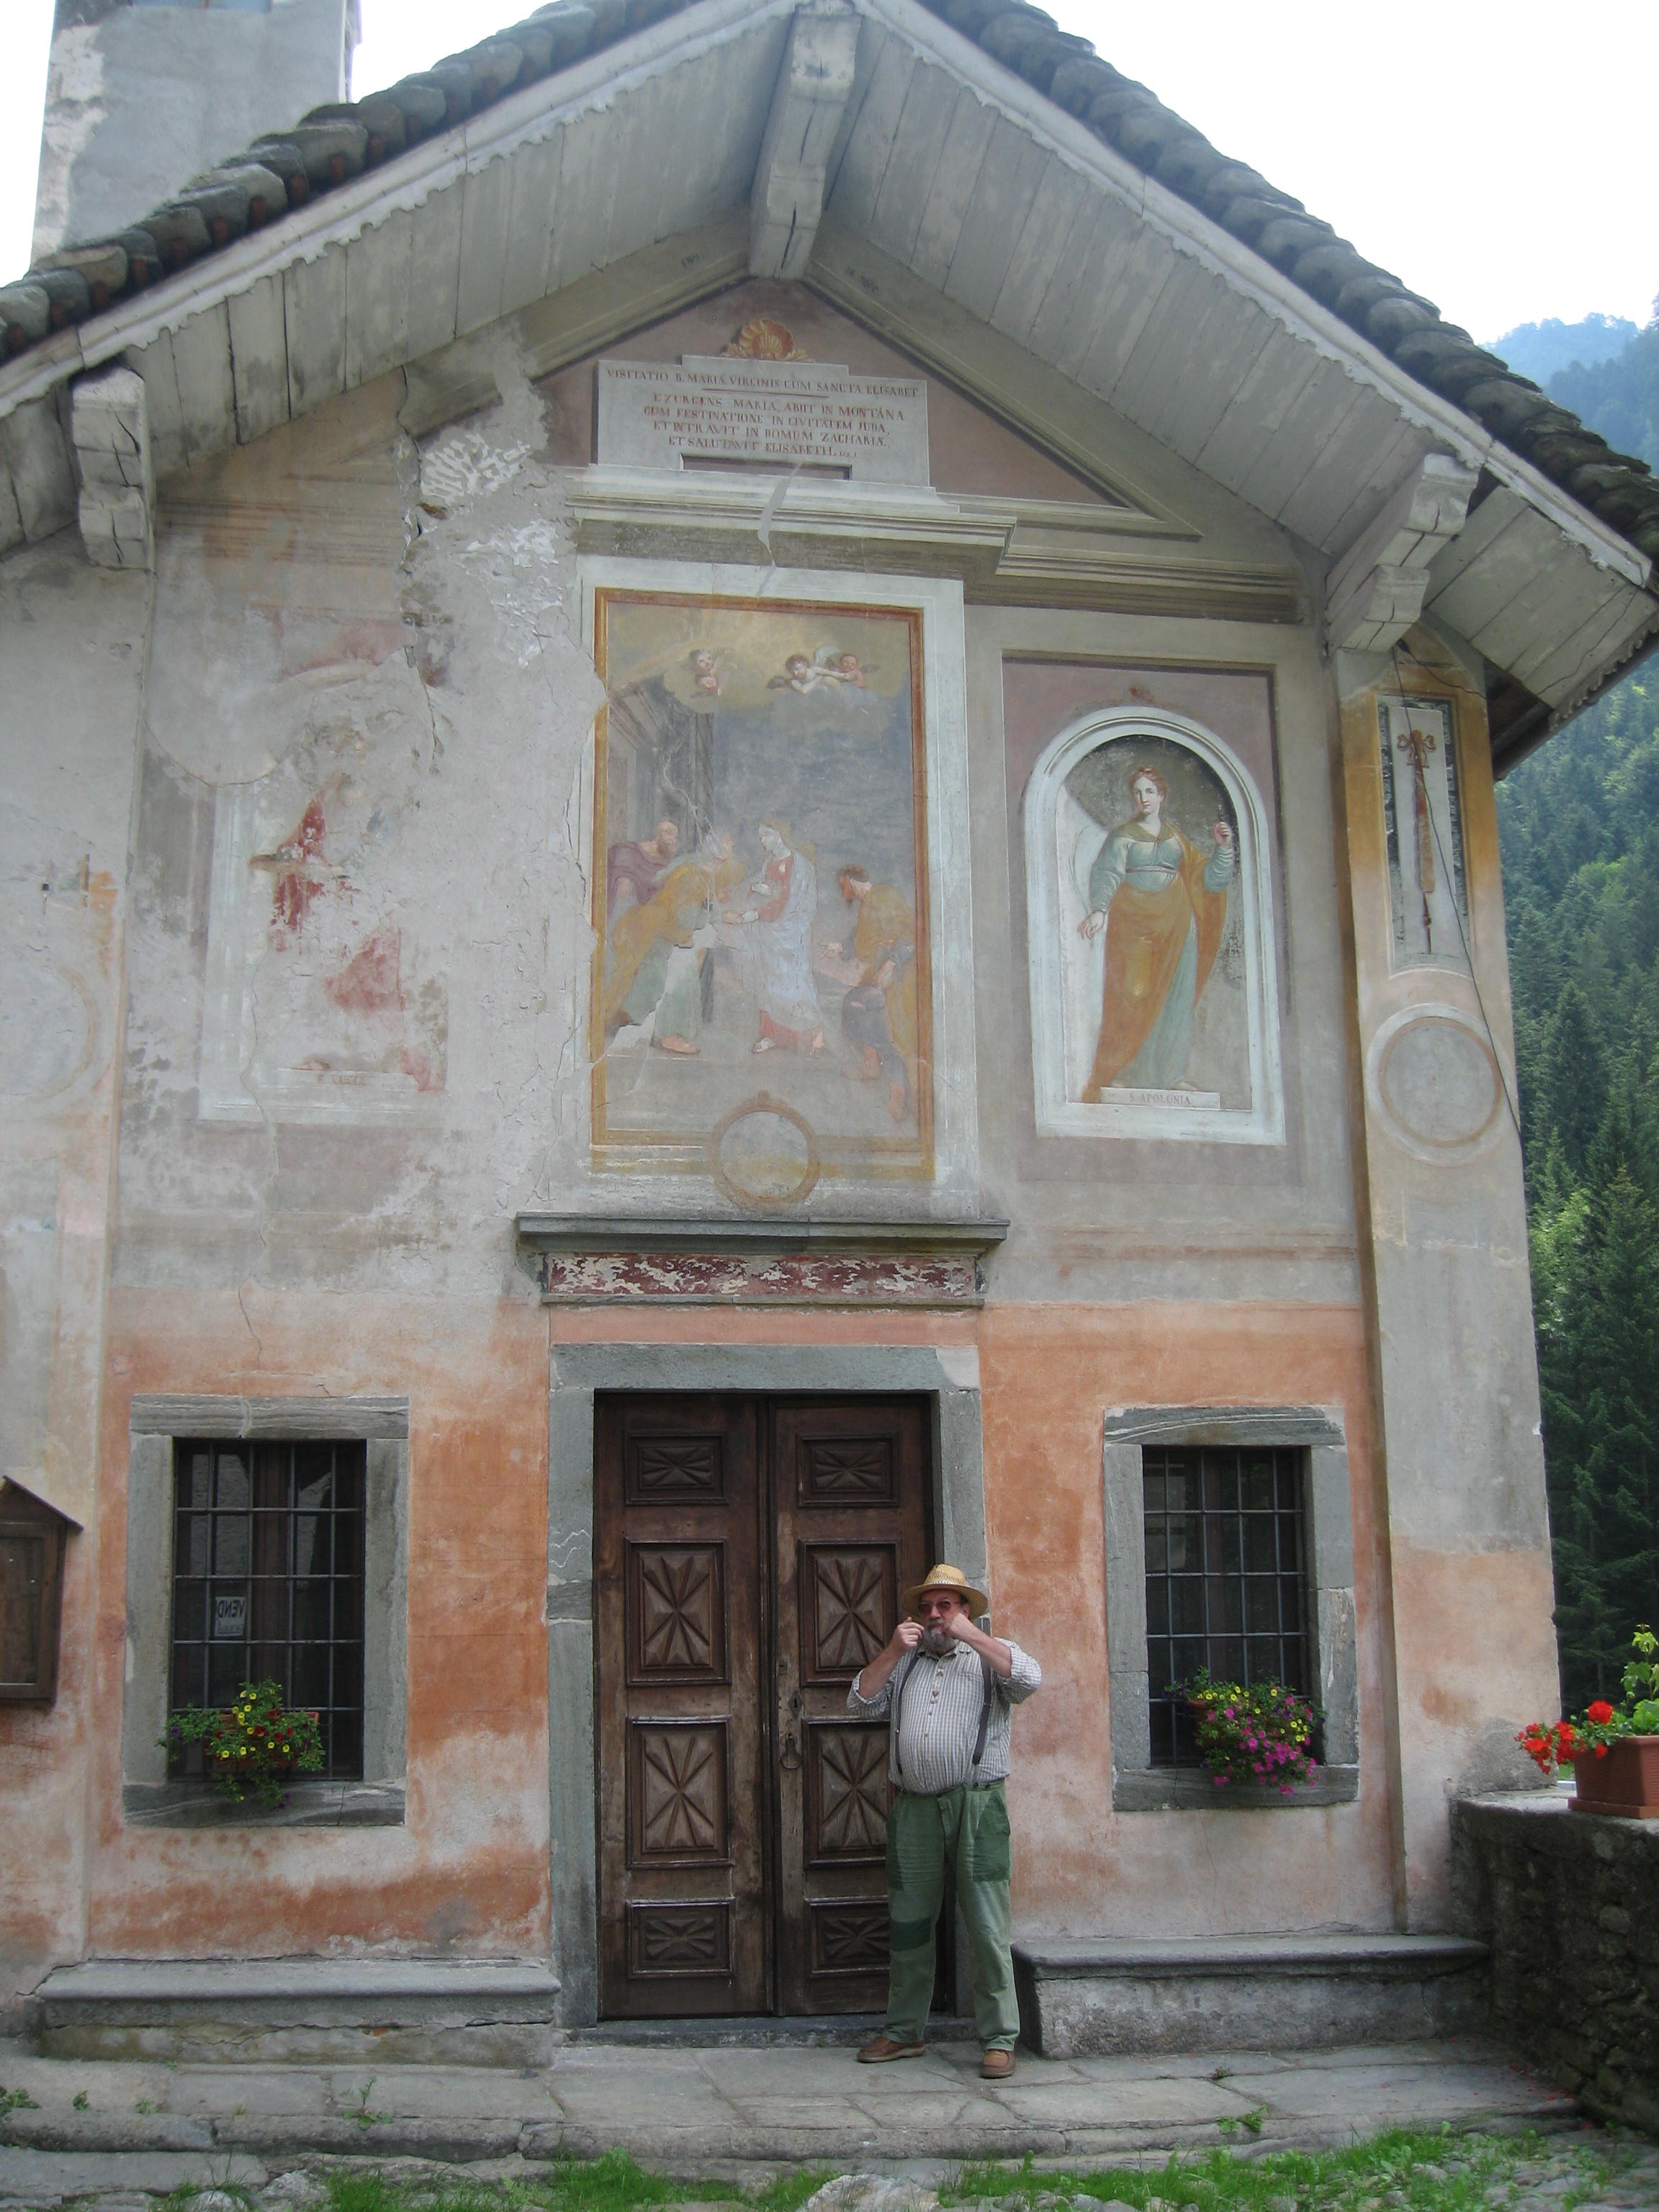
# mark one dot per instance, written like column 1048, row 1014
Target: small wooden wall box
column 33, row 1536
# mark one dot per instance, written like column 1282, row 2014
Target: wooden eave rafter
column 294, row 315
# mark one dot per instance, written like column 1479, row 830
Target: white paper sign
column 229, row 1619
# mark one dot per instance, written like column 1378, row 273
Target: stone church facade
column 749, row 836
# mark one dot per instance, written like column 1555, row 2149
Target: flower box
column 1624, row 1782
column 247, row 1745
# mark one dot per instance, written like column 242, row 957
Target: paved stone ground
column 102, row 2126
column 1586, row 2170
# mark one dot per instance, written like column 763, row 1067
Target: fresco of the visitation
column 761, row 991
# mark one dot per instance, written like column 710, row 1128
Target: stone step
column 1093, row 1995
column 759, row 2032
column 484, row 2012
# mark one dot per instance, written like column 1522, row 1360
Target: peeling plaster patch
column 464, row 467
column 433, row 662
column 231, row 714
column 520, row 564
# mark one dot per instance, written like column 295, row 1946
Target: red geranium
column 1599, row 1712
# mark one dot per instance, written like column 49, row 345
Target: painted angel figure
column 829, row 669
column 841, row 667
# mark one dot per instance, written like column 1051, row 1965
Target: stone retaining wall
column 1569, row 1903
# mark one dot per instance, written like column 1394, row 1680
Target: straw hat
column 944, row 1578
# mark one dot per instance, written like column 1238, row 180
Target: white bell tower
column 143, row 94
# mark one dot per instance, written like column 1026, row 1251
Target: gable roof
column 1242, row 324
column 333, row 144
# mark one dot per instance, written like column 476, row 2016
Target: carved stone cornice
column 793, row 522
column 697, row 1260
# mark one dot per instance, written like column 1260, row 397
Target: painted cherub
column 827, row 668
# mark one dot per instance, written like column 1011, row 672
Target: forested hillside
column 1540, row 351
column 1620, row 397
column 1579, row 823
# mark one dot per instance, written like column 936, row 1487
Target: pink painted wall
column 469, row 1870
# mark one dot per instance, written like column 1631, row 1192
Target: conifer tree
column 1579, row 825
column 1574, row 1076
column 1608, row 1548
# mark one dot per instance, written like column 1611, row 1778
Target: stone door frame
column 948, row 1377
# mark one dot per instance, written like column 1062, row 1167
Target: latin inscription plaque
column 659, row 415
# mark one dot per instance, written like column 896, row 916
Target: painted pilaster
column 1464, row 1471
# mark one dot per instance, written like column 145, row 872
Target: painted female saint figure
column 780, row 945
column 1163, row 905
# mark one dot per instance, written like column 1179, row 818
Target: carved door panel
column 849, row 1531
column 684, row 1906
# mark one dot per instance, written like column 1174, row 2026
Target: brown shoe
column 996, row 2065
column 884, row 2047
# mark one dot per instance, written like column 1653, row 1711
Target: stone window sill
column 311, row 1804
column 1163, row 1789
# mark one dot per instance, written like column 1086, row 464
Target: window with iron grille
column 1226, row 1578
column 268, row 1581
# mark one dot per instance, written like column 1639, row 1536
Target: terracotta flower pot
column 1625, row 1783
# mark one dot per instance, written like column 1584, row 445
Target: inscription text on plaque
column 772, row 414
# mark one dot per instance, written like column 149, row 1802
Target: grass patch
column 615, row 2183
column 181, row 2198
column 1403, row 2171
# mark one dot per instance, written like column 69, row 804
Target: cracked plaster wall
column 357, row 931
column 75, row 644
column 360, row 912
column 354, row 1047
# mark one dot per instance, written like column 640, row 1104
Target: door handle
column 789, row 1759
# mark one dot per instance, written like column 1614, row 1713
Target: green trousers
column 967, row 1831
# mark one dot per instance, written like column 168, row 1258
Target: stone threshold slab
column 1253, row 1956
column 279, row 1981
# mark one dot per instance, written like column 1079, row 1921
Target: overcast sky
column 1459, row 142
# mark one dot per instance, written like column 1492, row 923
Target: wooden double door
column 749, row 1553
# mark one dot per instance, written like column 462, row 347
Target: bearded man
column 947, row 1689
column 634, row 869
column 879, row 1013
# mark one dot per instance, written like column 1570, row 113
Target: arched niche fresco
column 1154, row 1002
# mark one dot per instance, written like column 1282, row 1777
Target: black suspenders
column 903, row 1683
